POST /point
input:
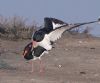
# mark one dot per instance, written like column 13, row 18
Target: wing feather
column 57, row 33
column 52, row 23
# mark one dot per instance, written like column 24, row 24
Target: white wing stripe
column 55, row 25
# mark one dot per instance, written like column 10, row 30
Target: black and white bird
column 42, row 40
column 53, row 30
column 33, row 50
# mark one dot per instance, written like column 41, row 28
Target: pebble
column 60, row 66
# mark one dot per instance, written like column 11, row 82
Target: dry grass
column 15, row 27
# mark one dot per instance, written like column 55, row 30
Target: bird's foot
column 41, row 71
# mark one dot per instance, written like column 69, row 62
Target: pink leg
column 41, row 65
column 32, row 66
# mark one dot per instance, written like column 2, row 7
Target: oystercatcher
column 42, row 40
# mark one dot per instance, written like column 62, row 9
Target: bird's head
column 27, row 49
column 28, row 52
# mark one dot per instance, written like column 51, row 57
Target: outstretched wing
column 57, row 33
column 53, row 30
column 53, row 27
column 52, row 23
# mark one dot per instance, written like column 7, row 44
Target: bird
column 52, row 31
column 32, row 54
column 44, row 38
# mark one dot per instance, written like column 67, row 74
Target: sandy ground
column 73, row 60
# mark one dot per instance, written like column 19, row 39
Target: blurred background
column 31, row 13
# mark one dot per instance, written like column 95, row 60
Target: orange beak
column 34, row 44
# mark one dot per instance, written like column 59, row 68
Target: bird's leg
column 32, row 66
column 41, row 66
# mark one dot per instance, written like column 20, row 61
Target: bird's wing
column 57, row 27
column 52, row 23
column 57, row 33
column 54, row 27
